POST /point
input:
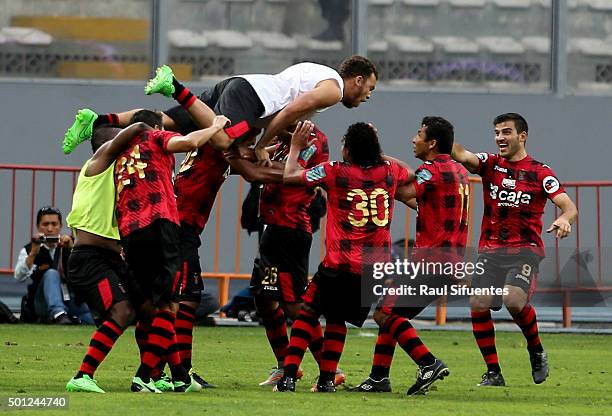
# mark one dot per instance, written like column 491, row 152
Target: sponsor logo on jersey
column 551, row 184
column 500, row 169
column 423, row 175
column 307, row 153
column 315, row 174
column 509, row 183
column 483, row 156
column 509, row 198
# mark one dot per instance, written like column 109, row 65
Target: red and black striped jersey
column 143, row 178
column 360, row 209
column 515, row 194
column 287, row 206
column 442, row 188
column 197, row 183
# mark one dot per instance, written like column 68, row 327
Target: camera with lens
column 46, row 239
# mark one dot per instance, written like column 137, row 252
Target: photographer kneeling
column 44, row 260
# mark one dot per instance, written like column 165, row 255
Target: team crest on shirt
column 509, row 183
column 482, row 156
column 315, row 174
column 423, row 175
column 551, row 184
column 307, row 153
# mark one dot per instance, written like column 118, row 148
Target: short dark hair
column 149, row 117
column 361, row 142
column 357, row 65
column 440, row 129
column 103, row 134
column 48, row 210
column 519, row 121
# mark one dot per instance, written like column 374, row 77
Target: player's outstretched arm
column 404, row 165
column 108, row 152
column 197, row 138
column 251, row 172
column 465, row 157
column 326, row 94
column 299, row 141
column 563, row 224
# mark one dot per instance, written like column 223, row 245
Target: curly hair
column 357, row 65
column 361, row 142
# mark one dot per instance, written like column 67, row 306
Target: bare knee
column 123, row 313
column 380, row 317
column 292, row 310
column 480, row 303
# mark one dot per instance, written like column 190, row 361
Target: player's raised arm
column 326, row 94
column 299, row 140
column 197, row 138
column 465, row 157
column 563, row 224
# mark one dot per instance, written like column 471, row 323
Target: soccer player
column 360, row 194
column 515, row 190
column 257, row 100
column 148, row 224
column 441, row 190
column 196, row 185
column 96, row 270
column 280, row 274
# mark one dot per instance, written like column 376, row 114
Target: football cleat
column 325, row 387
column 427, row 375
column 139, row 386
column 492, row 379
column 84, row 384
column 369, row 385
column 285, row 384
column 161, row 83
column 203, row 383
column 81, row 130
column 164, row 383
column 189, row 386
column 539, row 366
column 277, row 373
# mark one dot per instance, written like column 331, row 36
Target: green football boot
column 161, row 83
column 84, row 384
column 182, row 387
column 81, row 130
column 139, row 386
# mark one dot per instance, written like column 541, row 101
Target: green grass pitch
column 39, row 360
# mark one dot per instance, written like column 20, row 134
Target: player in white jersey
column 252, row 101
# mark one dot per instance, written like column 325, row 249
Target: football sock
column 404, row 333
column 161, row 337
column 333, row 344
column 301, row 334
column 316, row 342
column 111, row 118
column 484, row 332
column 101, row 343
column 276, row 331
column 182, row 94
column 183, row 325
column 527, row 321
column 383, row 355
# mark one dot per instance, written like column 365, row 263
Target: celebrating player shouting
column 515, row 190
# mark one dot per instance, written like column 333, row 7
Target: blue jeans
column 49, row 300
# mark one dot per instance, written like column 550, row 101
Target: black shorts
column 500, row 269
column 99, row 277
column 337, row 296
column 282, row 271
column 234, row 98
column 153, row 257
column 191, row 285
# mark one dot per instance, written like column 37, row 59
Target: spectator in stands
column 44, row 260
column 335, row 13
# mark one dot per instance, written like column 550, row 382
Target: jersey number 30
column 369, row 207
